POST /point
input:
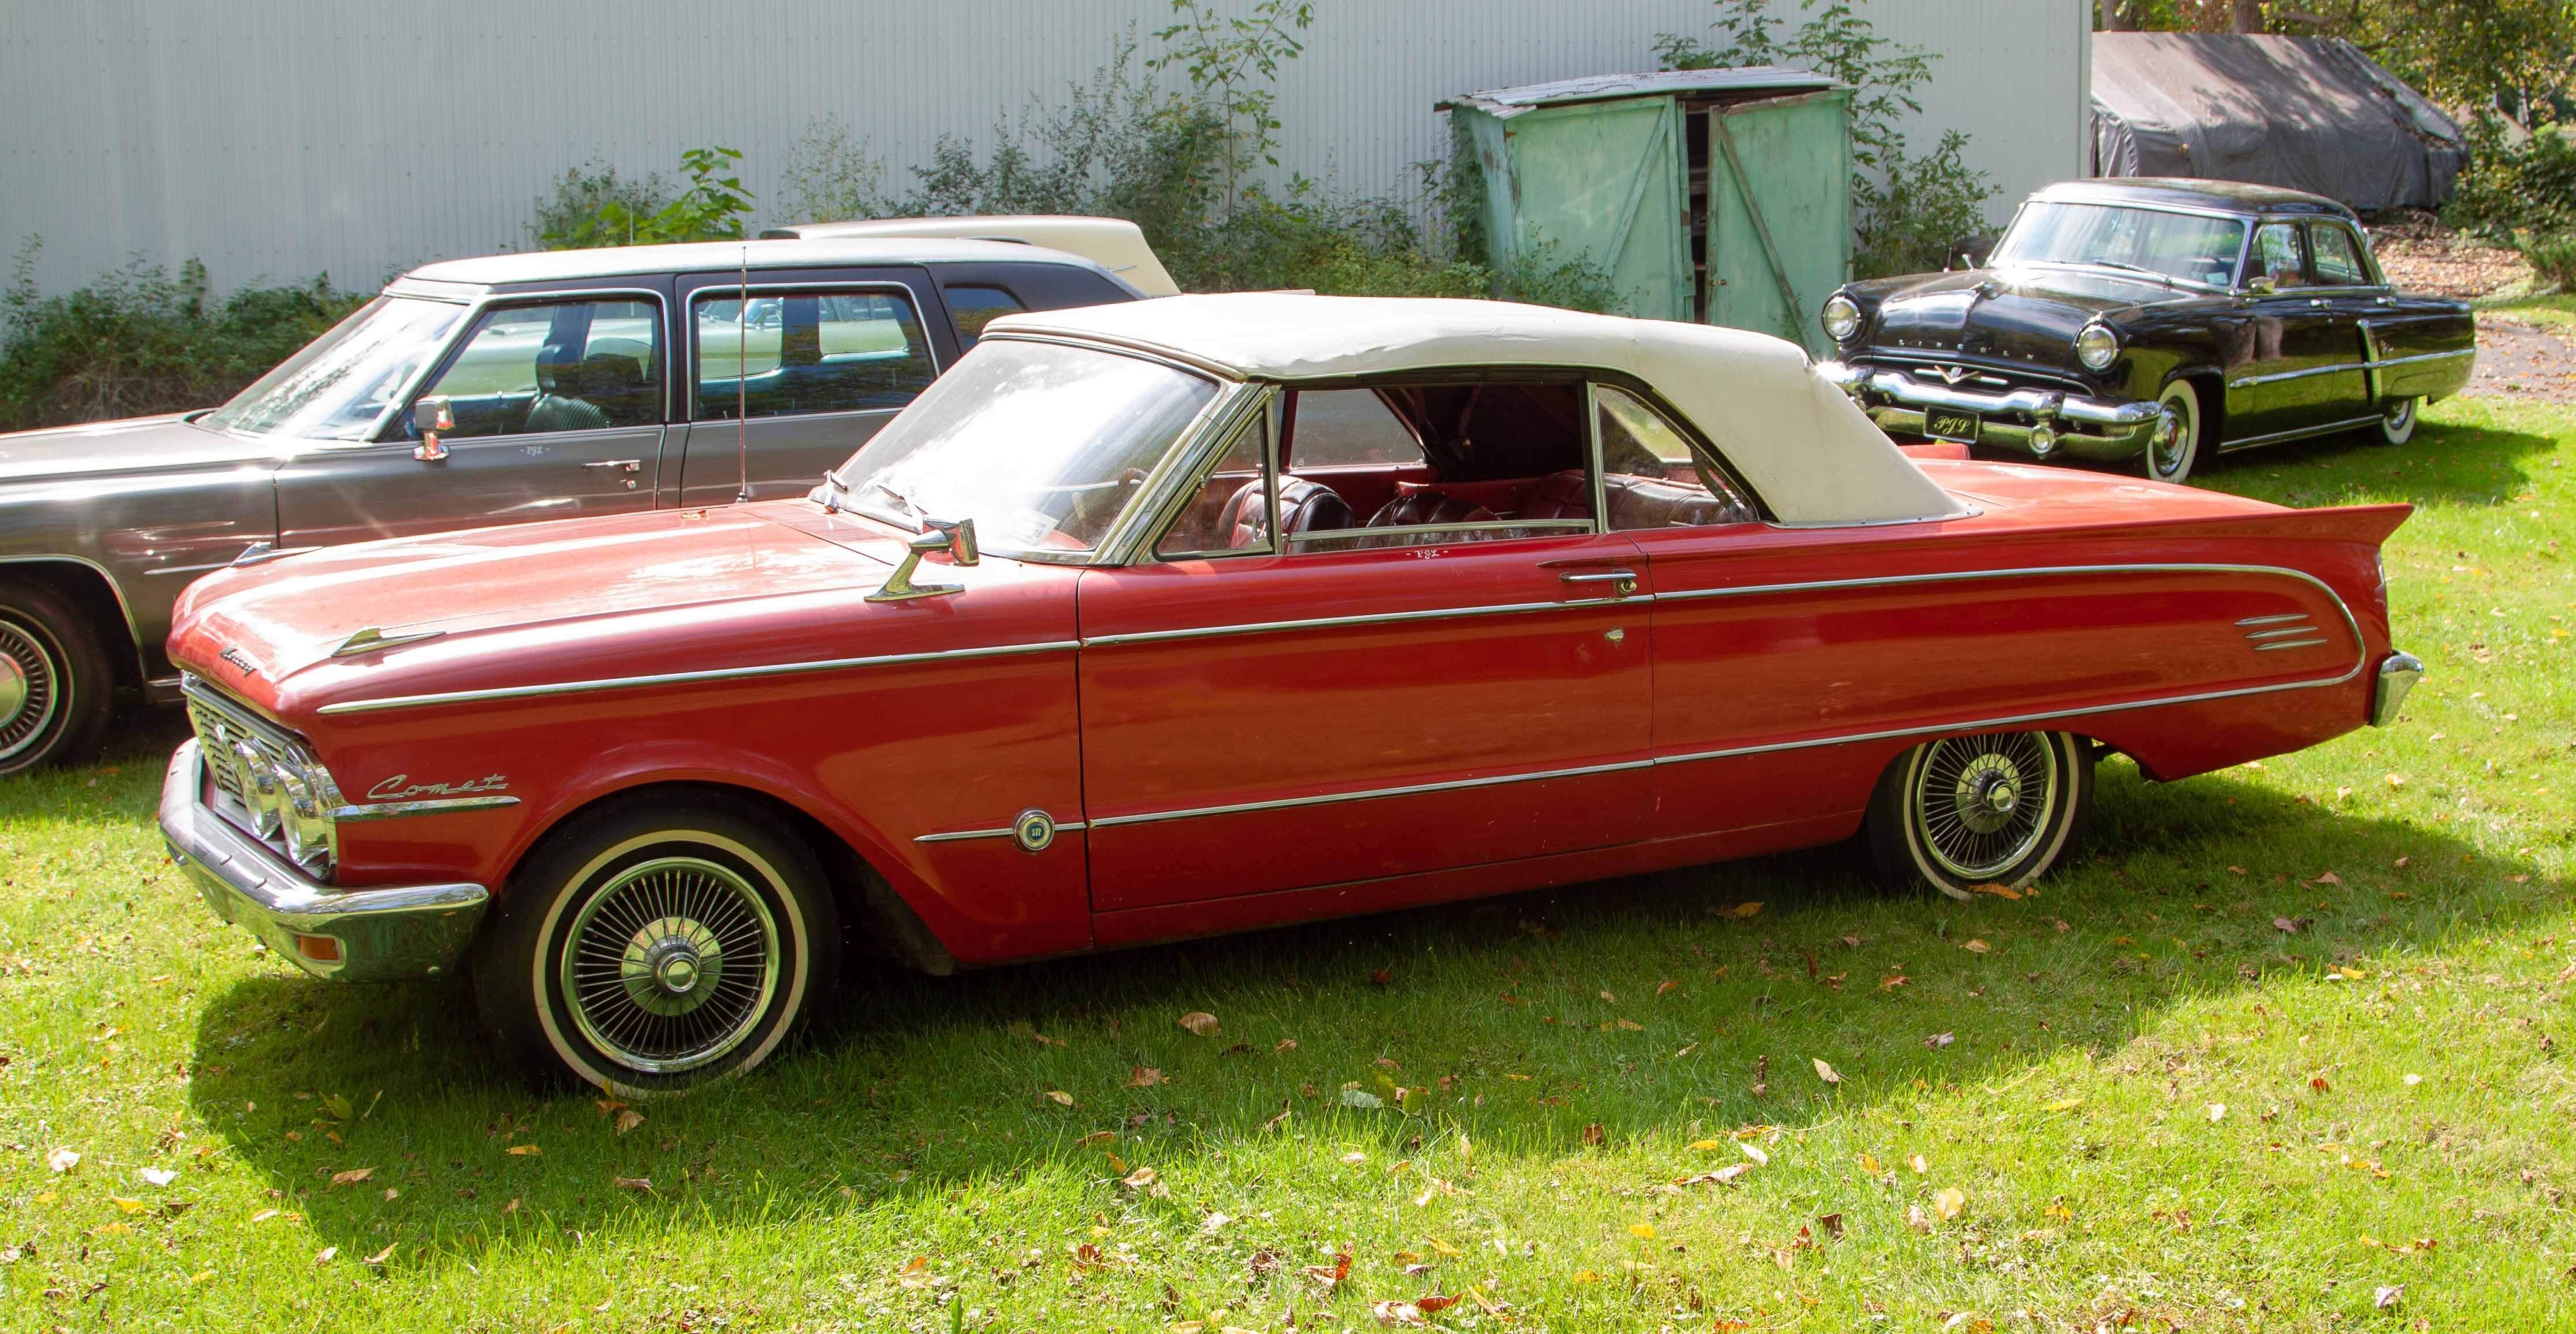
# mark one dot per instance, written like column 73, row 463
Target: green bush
column 2510, row 189
column 138, row 341
column 596, row 209
column 2553, row 258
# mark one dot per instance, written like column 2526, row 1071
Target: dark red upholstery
column 1559, row 495
column 1421, row 508
column 1304, row 507
column 1645, row 502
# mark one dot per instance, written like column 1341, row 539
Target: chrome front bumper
column 2039, row 422
column 381, row 935
column 2398, row 673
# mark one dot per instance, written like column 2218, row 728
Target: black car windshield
column 2187, row 247
column 342, row 382
column 1042, row 445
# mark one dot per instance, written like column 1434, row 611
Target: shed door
column 1791, row 160
column 1602, row 182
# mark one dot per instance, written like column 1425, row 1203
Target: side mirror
column 1969, row 252
column 957, row 539
column 431, row 414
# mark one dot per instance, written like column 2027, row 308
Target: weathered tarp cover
column 2308, row 113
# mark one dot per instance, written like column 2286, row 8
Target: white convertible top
column 1799, row 440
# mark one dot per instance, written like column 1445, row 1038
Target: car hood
column 135, row 445
column 580, row 599
column 2023, row 313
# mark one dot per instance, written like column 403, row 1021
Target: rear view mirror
column 429, row 416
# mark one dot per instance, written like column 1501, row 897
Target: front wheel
column 1994, row 808
column 650, row 949
column 56, row 683
column 2174, row 449
column 2397, row 422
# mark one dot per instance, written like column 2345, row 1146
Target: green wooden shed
column 1721, row 196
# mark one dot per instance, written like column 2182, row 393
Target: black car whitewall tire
column 2397, row 421
column 653, row 948
column 1990, row 808
column 2174, row 450
column 57, row 687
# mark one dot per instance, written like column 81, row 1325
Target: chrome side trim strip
column 2274, row 620
column 1379, row 618
column 2282, row 633
column 395, row 810
column 1335, row 798
column 2301, row 433
column 963, row 835
column 2014, row 572
column 686, row 678
column 2288, row 643
column 2275, row 377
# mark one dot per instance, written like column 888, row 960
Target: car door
column 557, row 403
column 1352, row 702
column 2286, row 382
column 792, row 372
column 2354, row 295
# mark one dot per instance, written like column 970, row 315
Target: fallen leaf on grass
column 1642, row 1231
column 1719, row 1177
column 1978, row 947
column 1331, row 1275
column 1143, row 1077
column 357, row 1174
column 1753, row 1153
column 1996, row 888
column 1916, row 1162
column 63, row 1160
column 1396, row 1313
column 129, row 1206
column 640, row 1185
column 1939, row 1040
column 1200, row 1022
column 158, row 1176
column 1286, row 1045
column 2386, row 1298
column 2217, row 1112
column 1707, row 1143
column 386, row 1254
column 1059, row 1097
column 1441, row 1246
column 2318, row 1082
column 1744, row 910
column 2329, row 878
column 1826, row 1072
column 523, row 1150
column 1949, row 1201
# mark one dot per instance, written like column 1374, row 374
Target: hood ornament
column 372, row 638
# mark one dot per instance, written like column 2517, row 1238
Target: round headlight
column 2097, row 347
column 1841, row 317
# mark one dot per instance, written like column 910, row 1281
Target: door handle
column 1622, row 582
column 627, row 466
column 2316, row 301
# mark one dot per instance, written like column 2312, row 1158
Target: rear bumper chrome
column 2039, row 422
column 381, row 935
column 2398, row 673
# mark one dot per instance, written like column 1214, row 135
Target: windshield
column 2188, row 247
column 1041, row 445
column 341, row 382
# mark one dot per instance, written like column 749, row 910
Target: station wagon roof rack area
column 547, row 266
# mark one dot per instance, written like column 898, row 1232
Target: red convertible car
column 1203, row 614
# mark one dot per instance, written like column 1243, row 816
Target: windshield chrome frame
column 1134, row 526
column 2249, row 220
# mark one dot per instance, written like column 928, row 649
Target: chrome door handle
column 2316, row 301
column 622, row 465
column 1622, row 582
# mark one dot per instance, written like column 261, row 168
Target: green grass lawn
column 2283, row 1037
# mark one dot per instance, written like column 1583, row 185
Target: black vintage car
column 2158, row 320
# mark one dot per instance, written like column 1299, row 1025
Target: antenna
column 742, row 378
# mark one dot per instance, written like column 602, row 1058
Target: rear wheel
column 57, row 688
column 2397, row 422
column 1993, row 808
column 650, row 949
column 2174, row 450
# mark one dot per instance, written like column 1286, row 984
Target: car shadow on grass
column 1537, row 1023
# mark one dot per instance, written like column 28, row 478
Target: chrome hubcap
column 2166, row 447
column 30, row 690
column 2402, row 413
column 671, row 963
column 1982, row 803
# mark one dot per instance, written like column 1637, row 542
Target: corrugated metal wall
column 278, row 138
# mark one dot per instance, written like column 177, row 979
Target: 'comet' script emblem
column 401, row 788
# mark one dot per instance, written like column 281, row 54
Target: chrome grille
column 244, row 756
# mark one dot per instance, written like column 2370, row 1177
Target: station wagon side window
column 2339, row 256
column 558, row 366
column 806, row 350
column 971, row 306
column 2279, row 255
column 1655, row 476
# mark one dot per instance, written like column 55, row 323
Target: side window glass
column 1349, row 428
column 1651, row 475
column 2339, row 262
column 786, row 353
column 1229, row 515
column 974, row 307
column 570, row 366
column 2279, row 255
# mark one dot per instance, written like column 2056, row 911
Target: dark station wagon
column 2161, row 321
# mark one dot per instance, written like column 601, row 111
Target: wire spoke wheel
column 1981, row 804
column 31, row 689
column 670, row 964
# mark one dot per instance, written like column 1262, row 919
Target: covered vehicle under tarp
column 2307, row 113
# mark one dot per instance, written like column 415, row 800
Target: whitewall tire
column 2397, row 421
column 2174, row 450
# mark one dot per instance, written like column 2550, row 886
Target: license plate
column 1952, row 425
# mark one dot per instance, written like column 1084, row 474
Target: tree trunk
column 2248, row 16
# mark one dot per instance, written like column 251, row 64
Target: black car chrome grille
column 1982, row 376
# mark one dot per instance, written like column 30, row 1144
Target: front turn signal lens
column 320, row 949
